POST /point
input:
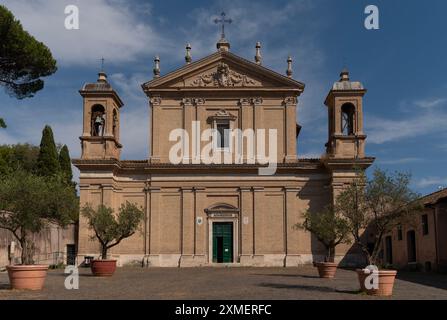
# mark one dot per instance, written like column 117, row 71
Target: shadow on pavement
column 358, row 291
column 435, row 280
column 296, row 286
column 286, row 275
column 4, row 286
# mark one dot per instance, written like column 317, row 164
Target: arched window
column 98, row 120
column 347, row 119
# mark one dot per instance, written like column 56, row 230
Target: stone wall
column 179, row 213
column 51, row 245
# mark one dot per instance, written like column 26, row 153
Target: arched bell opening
column 98, row 120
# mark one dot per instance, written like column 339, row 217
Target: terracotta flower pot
column 103, row 268
column 326, row 270
column 386, row 282
column 28, row 277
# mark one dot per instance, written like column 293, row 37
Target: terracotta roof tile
column 434, row 197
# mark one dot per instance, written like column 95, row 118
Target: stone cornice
column 144, row 167
column 102, row 94
column 335, row 164
column 152, row 189
column 292, row 189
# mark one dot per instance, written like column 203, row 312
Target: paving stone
column 225, row 283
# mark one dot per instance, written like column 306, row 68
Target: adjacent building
column 54, row 245
column 421, row 245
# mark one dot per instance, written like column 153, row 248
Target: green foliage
column 48, row 160
column 381, row 203
column 29, row 202
column 13, row 157
column 65, row 164
column 23, row 59
column 2, row 123
column 111, row 230
column 351, row 203
column 329, row 227
column 33, row 191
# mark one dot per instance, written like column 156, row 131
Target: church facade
column 204, row 212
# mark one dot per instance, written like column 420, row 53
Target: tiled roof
column 98, row 86
column 348, row 85
column 434, row 197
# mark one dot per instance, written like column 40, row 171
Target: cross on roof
column 223, row 21
column 102, row 64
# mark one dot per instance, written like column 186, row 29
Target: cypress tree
column 65, row 164
column 47, row 162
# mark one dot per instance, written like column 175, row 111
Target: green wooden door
column 222, row 242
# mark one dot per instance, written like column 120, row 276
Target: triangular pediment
column 222, row 70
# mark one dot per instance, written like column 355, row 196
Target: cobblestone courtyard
column 224, row 283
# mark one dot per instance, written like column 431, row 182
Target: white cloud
column 115, row 29
column 381, row 130
column 129, row 87
column 430, row 103
column 134, row 115
column 109, row 29
column 135, row 133
column 252, row 22
column 25, row 124
column 267, row 22
column 432, row 181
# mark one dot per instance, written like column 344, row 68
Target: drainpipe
column 146, row 190
column 102, row 194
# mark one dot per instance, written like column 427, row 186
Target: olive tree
column 380, row 204
column 109, row 229
column 29, row 203
column 329, row 227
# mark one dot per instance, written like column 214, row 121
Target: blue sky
column 402, row 65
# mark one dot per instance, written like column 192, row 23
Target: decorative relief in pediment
column 224, row 77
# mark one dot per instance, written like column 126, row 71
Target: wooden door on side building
column 389, row 250
column 411, row 246
column 71, row 254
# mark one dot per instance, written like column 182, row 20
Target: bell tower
column 344, row 102
column 101, row 124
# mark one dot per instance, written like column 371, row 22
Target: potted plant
column 110, row 231
column 377, row 206
column 28, row 204
column 331, row 229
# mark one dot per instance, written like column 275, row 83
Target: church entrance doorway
column 223, row 242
